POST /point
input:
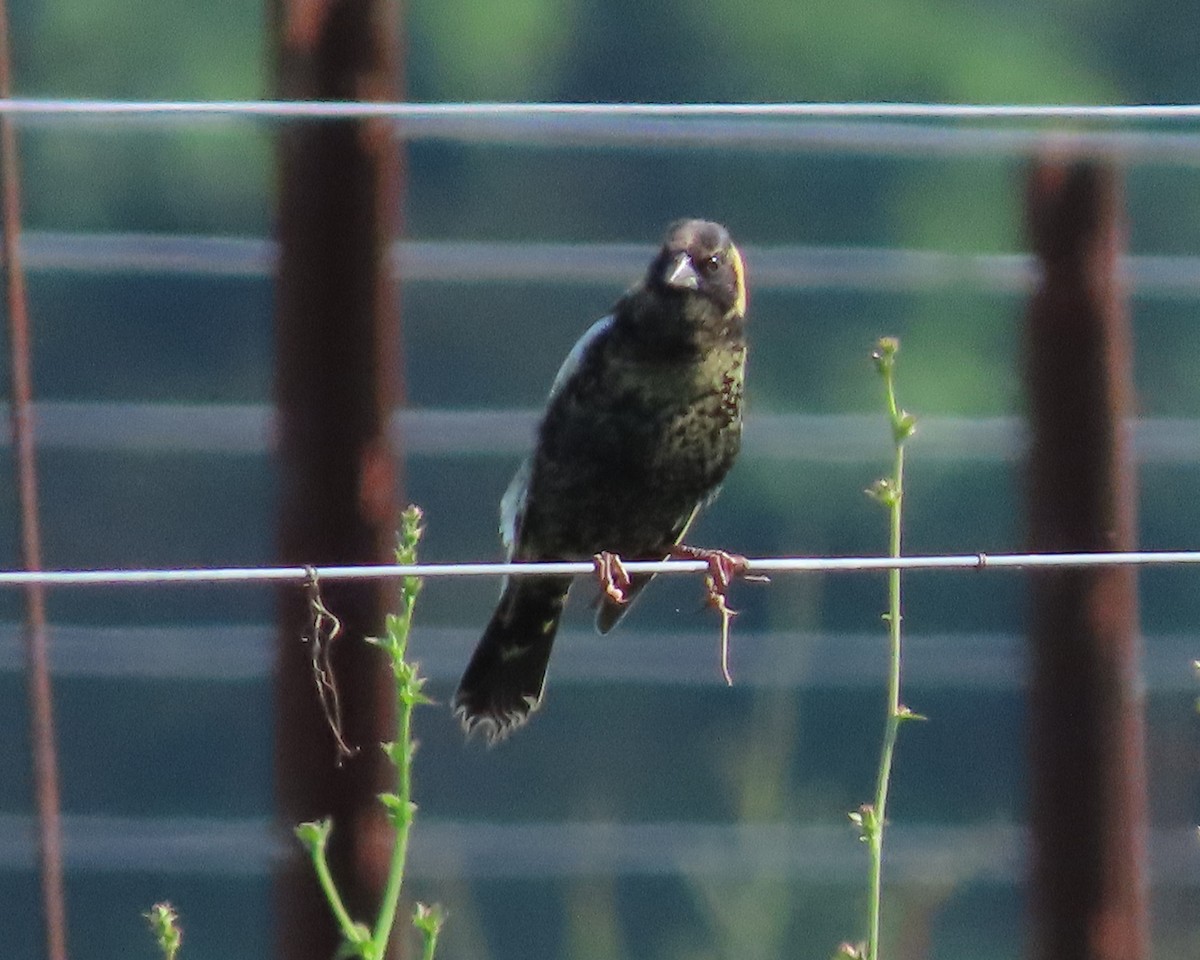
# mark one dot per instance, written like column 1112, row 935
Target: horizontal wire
column 765, row 565
column 424, row 111
column 870, row 129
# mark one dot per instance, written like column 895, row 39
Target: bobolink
column 643, row 421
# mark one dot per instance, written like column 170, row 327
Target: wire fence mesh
column 962, row 661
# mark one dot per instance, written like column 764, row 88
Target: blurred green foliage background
column 618, row 751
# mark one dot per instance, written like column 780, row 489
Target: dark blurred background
column 648, row 811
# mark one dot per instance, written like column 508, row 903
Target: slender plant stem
column 428, row 920
column 372, row 944
column 329, row 886
column 403, row 816
column 401, row 808
column 872, row 818
column 892, row 727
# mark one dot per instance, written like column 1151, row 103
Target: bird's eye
column 710, row 265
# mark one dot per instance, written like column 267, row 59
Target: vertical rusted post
column 337, row 382
column 1088, row 805
column 43, row 745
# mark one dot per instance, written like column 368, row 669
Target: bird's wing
column 571, row 364
column 512, row 505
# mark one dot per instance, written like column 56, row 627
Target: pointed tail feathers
column 503, row 683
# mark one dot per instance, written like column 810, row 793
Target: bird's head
column 699, row 258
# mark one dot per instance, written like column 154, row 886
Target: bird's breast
column 623, row 459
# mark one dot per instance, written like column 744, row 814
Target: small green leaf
column 904, row 427
column 400, row 814
column 883, row 491
column 315, row 833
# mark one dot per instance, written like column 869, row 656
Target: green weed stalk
column 871, row 818
column 369, row 942
column 164, row 925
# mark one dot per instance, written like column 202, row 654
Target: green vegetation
column 871, row 818
column 164, row 927
column 370, row 942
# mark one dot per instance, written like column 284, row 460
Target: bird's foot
column 723, row 569
column 614, row 578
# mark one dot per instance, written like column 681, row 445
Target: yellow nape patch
column 739, row 273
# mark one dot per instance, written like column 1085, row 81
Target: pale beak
column 681, row 275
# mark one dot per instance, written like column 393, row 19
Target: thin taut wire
column 485, row 110
column 763, row 565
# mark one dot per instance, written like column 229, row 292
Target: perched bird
column 643, row 421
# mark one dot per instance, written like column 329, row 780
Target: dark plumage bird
column 643, row 422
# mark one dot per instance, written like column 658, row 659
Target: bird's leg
column 723, row 567
column 614, row 578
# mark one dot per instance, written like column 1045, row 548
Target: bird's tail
column 503, row 683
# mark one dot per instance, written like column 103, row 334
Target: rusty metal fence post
column 337, row 382
column 1088, row 806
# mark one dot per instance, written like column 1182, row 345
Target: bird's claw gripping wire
column 723, row 569
column 614, row 578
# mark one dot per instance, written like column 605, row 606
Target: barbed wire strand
column 763, row 565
